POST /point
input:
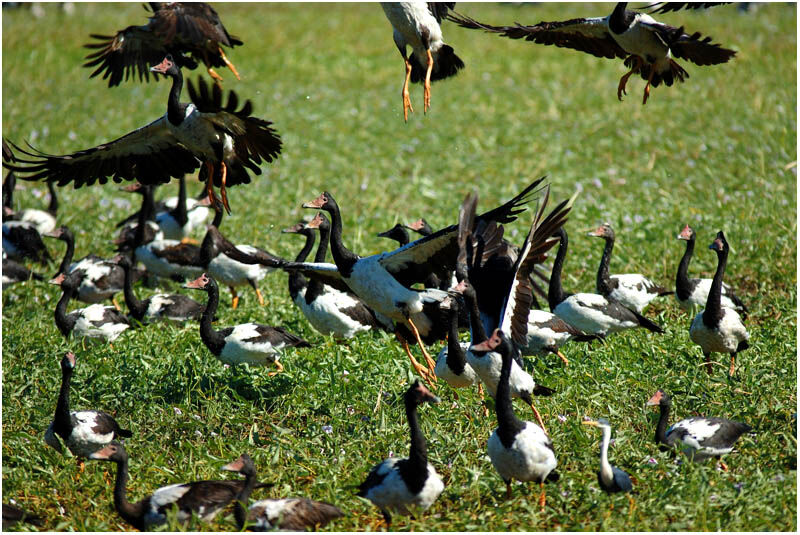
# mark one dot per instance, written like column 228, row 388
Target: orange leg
column 563, row 358
column 260, row 297
column 539, row 419
column 222, row 189
column 210, row 183
column 427, row 89
column 229, row 64
column 279, row 369
column 542, row 497
column 116, row 305
column 187, row 239
column 647, row 87
column 431, row 363
column 624, row 80
column 733, row 360
column 235, row 296
column 406, row 99
column 419, row 368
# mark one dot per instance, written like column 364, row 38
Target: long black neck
column 65, row 322
column 316, row 287
column 661, row 428
column 476, row 325
column 146, row 213
column 508, row 425
column 417, row 473
column 682, row 279
column 8, row 189
column 344, row 258
column 240, row 503
column 211, row 338
column 713, row 312
column 620, row 18
column 208, row 249
column 555, row 293
column 179, row 213
column 131, row 513
column 603, row 277
column 175, row 113
column 69, row 239
column 298, row 281
column 136, row 306
column 61, row 421
column 456, row 358
column 52, row 208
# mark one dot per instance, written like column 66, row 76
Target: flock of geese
column 464, row 277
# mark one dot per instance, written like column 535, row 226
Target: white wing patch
column 238, row 350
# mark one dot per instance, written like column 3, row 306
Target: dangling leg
column 222, row 189
column 234, row 298
column 211, row 72
column 431, row 363
column 647, row 87
column 228, row 63
column 637, row 64
column 542, row 497
column 406, row 98
column 210, row 183
column 427, row 90
column 539, row 419
column 419, row 368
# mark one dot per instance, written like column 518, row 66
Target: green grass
column 714, row 152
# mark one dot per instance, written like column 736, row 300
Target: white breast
column 528, row 458
column 640, row 40
column 393, row 494
column 197, row 134
column 725, row 338
column 488, row 369
column 467, row 378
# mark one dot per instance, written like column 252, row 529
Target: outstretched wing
column 700, row 51
column 588, row 35
column 414, row 262
column 439, row 9
column 191, row 23
column 129, row 53
column 539, row 240
column 149, row 154
column 667, row 7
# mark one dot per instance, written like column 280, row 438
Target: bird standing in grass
column 646, row 45
column 610, row 478
column 418, row 25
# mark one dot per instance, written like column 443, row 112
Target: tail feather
column 647, row 324
column 445, row 64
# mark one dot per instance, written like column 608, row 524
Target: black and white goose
column 692, row 292
column 191, row 31
column 702, row 438
column 383, row 281
column 329, row 310
column 173, row 307
column 21, row 240
column 42, row 220
column 96, row 322
column 292, row 514
column 127, row 237
column 646, row 45
column 633, row 290
column 83, row 432
column 411, row 483
column 503, row 294
column 591, row 313
column 518, row 450
column 199, row 498
column 610, row 478
column 451, row 364
column 718, row 329
column 224, row 142
column 250, row 343
column 98, row 280
column 418, row 25
column 547, row 333
column 14, row 272
column 182, row 215
column 399, row 233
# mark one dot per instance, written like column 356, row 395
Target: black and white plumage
column 718, row 329
column 173, row 307
column 418, row 25
column 21, row 241
column 293, row 514
column 692, row 292
column 610, row 478
column 83, row 432
column 98, row 280
column 633, row 290
column 702, row 438
column 591, row 313
column 451, row 364
column 646, row 45
column 201, row 498
column 518, row 450
column 250, row 343
column 411, row 483
column 547, row 333
column 329, row 310
column 42, row 220
column 14, row 272
column 95, row 322
column 191, row 31
column 181, row 215
column 128, row 238
column 225, row 142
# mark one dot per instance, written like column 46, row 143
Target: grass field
column 715, row 152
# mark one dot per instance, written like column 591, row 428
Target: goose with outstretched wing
column 646, row 45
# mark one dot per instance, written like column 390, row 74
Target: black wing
column 667, row 7
column 275, row 336
column 588, row 35
column 127, row 54
column 439, row 9
column 302, row 513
